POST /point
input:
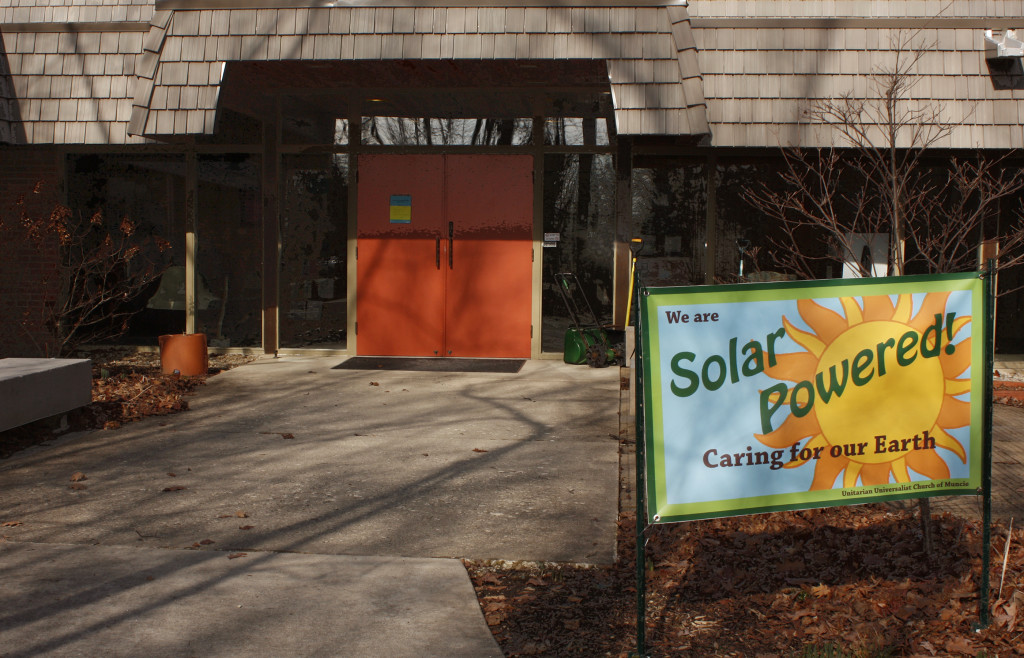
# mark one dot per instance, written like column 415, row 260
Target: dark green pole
column 641, row 484
column 986, row 457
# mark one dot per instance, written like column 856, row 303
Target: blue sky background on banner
column 727, row 419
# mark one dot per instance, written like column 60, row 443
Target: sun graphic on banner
column 874, row 392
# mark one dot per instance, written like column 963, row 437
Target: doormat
column 431, row 364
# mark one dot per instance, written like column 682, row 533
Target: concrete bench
column 32, row 389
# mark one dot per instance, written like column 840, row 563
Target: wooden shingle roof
column 112, row 83
column 27, row 12
column 762, row 72
column 70, row 87
column 744, row 71
column 651, row 60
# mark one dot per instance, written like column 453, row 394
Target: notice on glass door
column 401, row 209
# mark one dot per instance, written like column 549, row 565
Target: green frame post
column 641, row 484
column 989, row 274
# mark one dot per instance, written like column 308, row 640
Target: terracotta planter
column 184, row 354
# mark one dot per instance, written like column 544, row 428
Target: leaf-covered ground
column 845, row 581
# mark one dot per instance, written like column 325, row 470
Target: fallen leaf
column 490, row 578
column 207, row 542
column 960, row 645
column 175, row 488
column 172, row 475
column 234, row 555
column 374, row 383
column 242, row 515
column 287, row 435
column 246, row 527
column 77, row 486
column 537, row 582
column 78, row 477
column 478, row 450
column 11, row 524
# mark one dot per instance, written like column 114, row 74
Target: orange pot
column 184, row 353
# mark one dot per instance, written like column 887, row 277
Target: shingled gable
column 649, row 54
column 111, row 83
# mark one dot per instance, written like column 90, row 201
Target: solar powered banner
column 763, row 397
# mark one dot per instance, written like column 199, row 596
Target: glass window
column 229, row 299
column 314, row 128
column 743, row 234
column 579, row 231
column 234, row 128
column 402, row 131
column 570, row 131
column 314, row 230
column 148, row 190
column 670, row 214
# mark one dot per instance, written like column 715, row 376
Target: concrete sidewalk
column 79, row 600
column 371, row 476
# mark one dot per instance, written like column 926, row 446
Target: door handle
column 451, row 245
column 437, row 252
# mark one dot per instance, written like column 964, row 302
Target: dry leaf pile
column 845, row 581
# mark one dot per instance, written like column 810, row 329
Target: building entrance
column 444, row 255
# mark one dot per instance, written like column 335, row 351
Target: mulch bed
column 844, row 581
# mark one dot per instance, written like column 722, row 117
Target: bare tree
column 882, row 178
column 100, row 270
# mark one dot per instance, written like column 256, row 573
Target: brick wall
column 31, row 175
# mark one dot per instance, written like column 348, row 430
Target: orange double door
column 445, row 252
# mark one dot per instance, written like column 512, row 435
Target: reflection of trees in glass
column 669, row 213
column 579, row 205
column 446, row 132
column 737, row 221
column 230, row 254
column 574, row 131
column 313, row 244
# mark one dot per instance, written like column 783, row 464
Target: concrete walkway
column 344, row 489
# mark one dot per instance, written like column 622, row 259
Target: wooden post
column 711, row 221
column 623, row 228
column 271, row 232
column 191, row 241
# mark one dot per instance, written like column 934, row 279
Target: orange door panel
column 400, row 283
column 444, row 255
column 489, row 288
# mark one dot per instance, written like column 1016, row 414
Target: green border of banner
column 659, row 511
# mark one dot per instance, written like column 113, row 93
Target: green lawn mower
column 591, row 344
